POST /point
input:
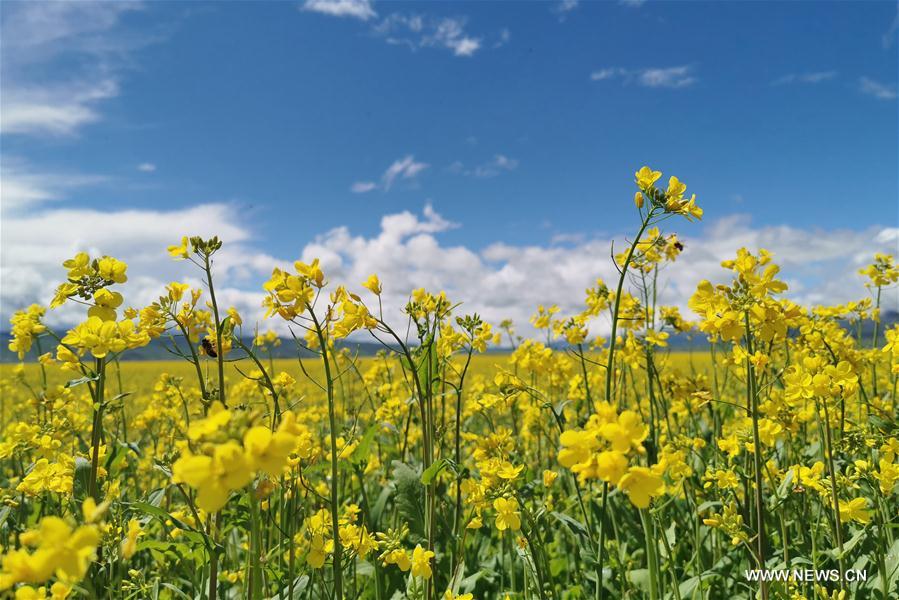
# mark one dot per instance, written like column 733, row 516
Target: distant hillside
column 156, row 350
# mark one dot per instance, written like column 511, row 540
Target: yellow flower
column 641, row 484
column 629, row 431
column 215, row 420
column 214, row 477
column 93, row 512
column 611, row 466
column 58, row 591
column 60, row 551
column 267, row 450
column 855, row 510
column 176, row 290
column 421, row 562
column 112, row 269
column 79, row 266
column 507, row 515
column 129, row 544
column 887, row 476
column 676, row 189
column 646, row 177
column 319, row 549
column 105, row 303
column 549, row 477
column 373, row 284
column 179, row 252
column 657, row 338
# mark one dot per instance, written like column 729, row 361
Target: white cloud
column 602, row 74
column 35, row 244
column 509, row 281
column 881, row 91
column 76, row 38
column 416, row 31
column 146, row 167
column 668, row 77
column 402, row 168
column 23, row 186
column 632, row 3
column 890, row 36
column 499, row 281
column 810, row 78
column 671, row 77
column 358, row 9
column 491, row 168
column 564, row 7
column 505, row 36
column 361, row 187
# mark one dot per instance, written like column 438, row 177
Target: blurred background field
column 140, row 376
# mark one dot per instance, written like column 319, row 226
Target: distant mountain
column 156, row 350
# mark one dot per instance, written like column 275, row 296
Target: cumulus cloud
column 357, row 9
column 35, row 244
column 498, row 281
column 77, row 36
column 667, row 77
column 402, row 168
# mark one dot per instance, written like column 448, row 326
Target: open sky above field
column 486, row 148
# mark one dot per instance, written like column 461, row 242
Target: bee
column 209, row 347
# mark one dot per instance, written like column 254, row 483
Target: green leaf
column 380, row 503
column 80, row 381
column 573, row 524
column 154, row 511
column 468, row 584
column 429, row 474
column 363, row 450
column 707, row 505
column 156, row 497
column 171, row 587
column 640, row 579
column 409, row 497
column 81, row 480
column 891, row 564
column 785, row 484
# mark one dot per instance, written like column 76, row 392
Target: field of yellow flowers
column 569, row 467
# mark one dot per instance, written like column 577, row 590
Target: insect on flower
column 209, row 347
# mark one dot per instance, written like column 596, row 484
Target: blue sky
column 520, row 123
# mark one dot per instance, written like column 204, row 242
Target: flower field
column 462, row 461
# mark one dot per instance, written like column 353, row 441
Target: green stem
column 97, row 429
column 337, row 566
column 627, row 261
column 756, row 455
